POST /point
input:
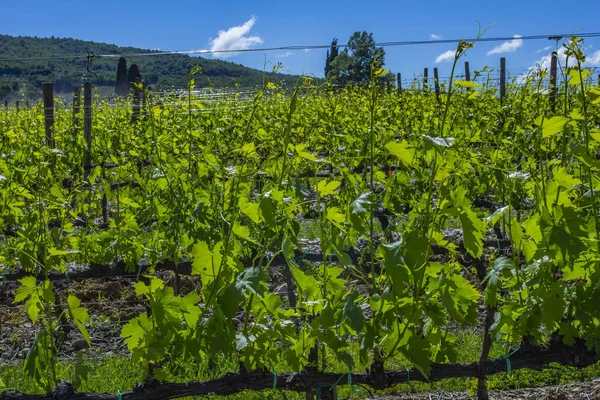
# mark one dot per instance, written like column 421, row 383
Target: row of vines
column 228, row 186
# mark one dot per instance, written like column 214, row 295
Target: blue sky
column 191, row 25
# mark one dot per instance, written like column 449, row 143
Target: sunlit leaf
column 467, row 84
column 401, row 151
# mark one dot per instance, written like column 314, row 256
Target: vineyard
column 305, row 240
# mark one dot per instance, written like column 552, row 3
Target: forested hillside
column 165, row 71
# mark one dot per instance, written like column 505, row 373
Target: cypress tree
column 133, row 73
column 334, row 50
column 331, row 55
column 121, row 87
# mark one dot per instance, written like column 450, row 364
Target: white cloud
column 507, row 47
column 547, row 48
column 286, row 54
column 307, row 50
column 446, row 56
column 433, row 36
column 593, row 60
column 235, row 38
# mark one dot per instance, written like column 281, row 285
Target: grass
column 110, row 374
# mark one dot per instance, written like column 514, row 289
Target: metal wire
column 308, row 47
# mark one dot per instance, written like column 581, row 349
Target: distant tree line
column 162, row 72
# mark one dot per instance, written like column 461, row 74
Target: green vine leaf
column 36, row 296
column 80, row 316
column 401, row 151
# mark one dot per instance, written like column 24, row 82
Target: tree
column 353, row 65
column 133, row 73
column 331, row 55
column 341, row 68
column 122, row 85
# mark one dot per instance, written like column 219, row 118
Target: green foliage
column 401, row 151
column 152, row 336
column 82, row 371
column 331, row 55
column 353, row 64
column 37, row 297
column 80, row 316
column 222, row 184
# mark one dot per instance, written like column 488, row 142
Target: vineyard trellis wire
column 555, row 37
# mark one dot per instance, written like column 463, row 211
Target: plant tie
column 318, row 393
column 137, row 278
column 338, row 381
column 119, row 395
column 408, row 377
column 299, row 260
column 507, row 359
column 274, row 379
column 349, row 375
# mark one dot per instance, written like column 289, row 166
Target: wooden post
column 467, row 71
column 87, row 128
column 425, row 82
column 502, row 78
column 6, row 103
column 17, row 105
column 399, row 79
column 437, row 83
column 553, row 89
column 48, row 94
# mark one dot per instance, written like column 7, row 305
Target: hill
column 160, row 72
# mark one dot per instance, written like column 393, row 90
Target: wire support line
column 307, row 47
